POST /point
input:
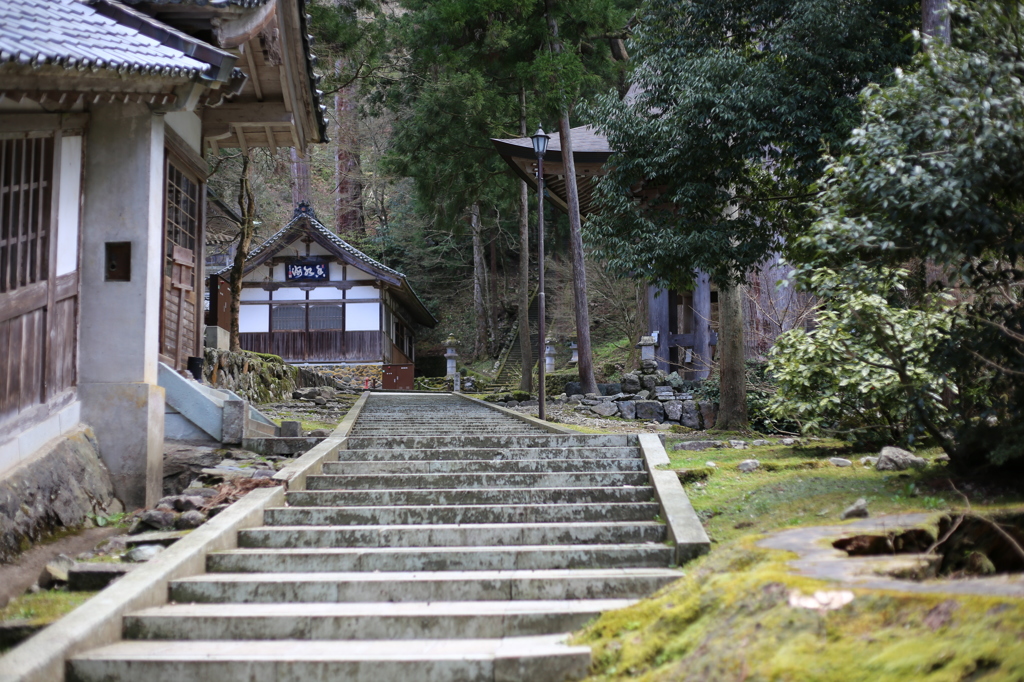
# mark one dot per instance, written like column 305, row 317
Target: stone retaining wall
column 57, row 490
column 261, row 378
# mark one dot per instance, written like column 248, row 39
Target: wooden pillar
column 701, row 326
column 657, row 321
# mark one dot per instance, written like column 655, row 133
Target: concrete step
column 484, row 480
column 458, row 586
column 363, row 621
column 476, row 496
column 446, row 535
column 460, row 513
column 470, row 466
column 492, row 441
column 489, row 454
column 539, row 659
column 519, row 557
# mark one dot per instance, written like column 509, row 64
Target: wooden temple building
column 684, row 323
column 311, row 297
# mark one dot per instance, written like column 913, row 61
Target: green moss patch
column 731, row 618
column 44, row 607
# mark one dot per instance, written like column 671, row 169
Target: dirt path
column 17, row 577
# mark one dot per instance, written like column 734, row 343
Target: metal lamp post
column 540, row 146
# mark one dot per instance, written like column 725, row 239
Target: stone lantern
column 574, row 347
column 549, row 354
column 452, row 355
column 647, row 344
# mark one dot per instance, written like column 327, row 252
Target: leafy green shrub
column 761, row 390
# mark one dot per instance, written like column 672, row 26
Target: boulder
column 697, row 445
column 748, row 465
column 788, row 441
column 512, row 403
column 529, row 403
column 760, row 443
column 868, row 461
column 675, row 381
column 157, row 519
column 738, row 444
column 184, row 503
column 291, row 429
column 627, row 409
column 190, row 519
column 649, row 382
column 648, row 366
column 56, row 571
column 574, row 388
column 650, row 410
column 630, row 383
column 643, row 395
column 840, row 462
column 897, row 459
column 857, row 510
column 605, row 409
column 690, row 417
column 142, row 553
column 673, row 410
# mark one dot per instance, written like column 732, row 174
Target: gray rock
column 56, row 571
column 868, row 461
column 625, row 396
column 643, row 395
column 575, row 398
column 690, row 417
column 675, row 381
column 788, row 441
column 760, row 443
column 673, row 410
column 649, row 382
column 857, row 510
column 748, row 465
column 738, row 444
column 529, row 403
column 157, row 519
column 840, row 462
column 630, row 383
column 263, row 473
column 697, row 445
column 291, row 429
column 591, row 401
column 319, row 433
column 319, row 400
column 142, row 553
column 648, row 366
column 627, row 409
column 190, row 519
column 186, row 503
column 650, row 410
column 512, row 403
column 711, row 465
column 663, row 390
column 200, row 492
column 92, row 577
column 896, row 459
column 605, row 409
column 592, row 396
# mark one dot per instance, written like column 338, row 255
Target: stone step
column 459, row 513
column 493, row 441
column 484, row 480
column 510, row 453
column 363, row 621
column 538, row 659
column 476, row 496
column 468, row 466
column 520, row 557
column 447, row 535
column 584, row 583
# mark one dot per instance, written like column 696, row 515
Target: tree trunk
column 579, row 269
column 300, row 178
column 247, row 210
column 935, row 19
column 348, row 190
column 478, row 284
column 525, row 347
column 732, row 402
column 492, row 310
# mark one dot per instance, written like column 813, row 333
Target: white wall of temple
column 289, row 294
column 325, row 294
column 254, row 294
column 188, row 126
column 70, row 198
column 253, row 318
column 363, row 292
column 362, row 317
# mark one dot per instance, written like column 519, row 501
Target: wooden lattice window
column 26, row 185
column 325, row 317
column 289, row 318
column 182, row 208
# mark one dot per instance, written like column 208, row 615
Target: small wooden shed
column 311, row 297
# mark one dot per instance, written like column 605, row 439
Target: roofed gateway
column 310, row 296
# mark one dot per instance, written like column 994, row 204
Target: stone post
column 575, row 352
column 451, row 355
column 647, row 344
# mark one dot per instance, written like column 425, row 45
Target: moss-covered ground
column 43, row 607
column 730, row 617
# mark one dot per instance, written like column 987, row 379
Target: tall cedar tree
column 734, row 102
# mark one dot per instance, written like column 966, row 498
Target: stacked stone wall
column 261, row 378
column 355, row 376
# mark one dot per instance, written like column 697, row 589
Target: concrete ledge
column 97, row 622
column 684, row 526
column 539, row 423
column 293, row 476
column 275, row 445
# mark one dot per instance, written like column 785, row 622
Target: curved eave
column 518, row 154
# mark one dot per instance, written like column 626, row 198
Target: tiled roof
column 203, row 3
column 72, row 34
column 584, row 139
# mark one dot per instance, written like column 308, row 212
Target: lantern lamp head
column 540, row 142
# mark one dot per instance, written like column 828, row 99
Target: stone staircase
column 511, row 370
column 450, row 541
